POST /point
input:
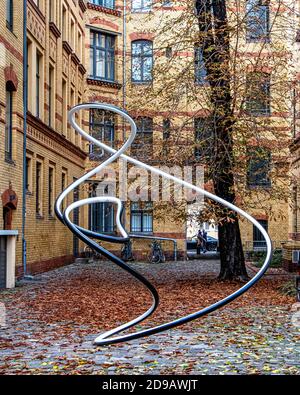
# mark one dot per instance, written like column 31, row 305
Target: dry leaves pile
column 103, row 296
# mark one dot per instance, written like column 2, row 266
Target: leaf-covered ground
column 52, row 321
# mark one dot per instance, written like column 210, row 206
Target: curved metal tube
column 85, row 235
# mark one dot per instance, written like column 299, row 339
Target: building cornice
column 75, row 58
column 110, row 84
column 54, row 29
column 52, row 134
column 37, row 10
column 67, row 47
column 82, row 69
column 105, row 10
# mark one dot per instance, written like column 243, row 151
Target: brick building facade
column 91, row 51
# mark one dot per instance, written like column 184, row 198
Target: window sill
column 28, row 193
column 259, row 115
column 102, row 82
column 39, row 216
column 202, row 84
column 142, row 233
column 141, row 83
column 140, row 11
column 258, row 40
column 54, row 29
column 10, row 27
column 51, row 217
column 10, row 161
column 266, row 187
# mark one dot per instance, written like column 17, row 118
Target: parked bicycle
column 156, row 254
column 126, row 252
column 89, row 253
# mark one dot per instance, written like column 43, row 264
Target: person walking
column 204, row 236
column 200, row 241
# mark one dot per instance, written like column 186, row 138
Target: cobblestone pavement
column 240, row 340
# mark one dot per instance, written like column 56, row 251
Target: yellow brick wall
column 11, row 49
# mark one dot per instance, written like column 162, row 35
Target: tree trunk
column 214, row 37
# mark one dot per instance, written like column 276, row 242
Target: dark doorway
column 2, row 262
column 258, row 239
column 76, row 222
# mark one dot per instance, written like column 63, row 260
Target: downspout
column 25, row 88
column 124, row 59
column 124, row 86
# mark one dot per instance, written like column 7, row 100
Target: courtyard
column 51, row 323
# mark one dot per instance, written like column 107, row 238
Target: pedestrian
column 200, row 242
column 204, row 235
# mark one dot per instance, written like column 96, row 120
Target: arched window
column 142, row 61
column 9, row 14
column 8, row 120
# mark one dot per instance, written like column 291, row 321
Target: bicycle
column 156, row 254
column 90, row 254
column 126, row 252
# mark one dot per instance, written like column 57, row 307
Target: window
column 10, row 14
column 258, row 15
column 102, row 128
column 51, row 192
column 64, row 108
column 166, row 128
column 169, row 52
column 141, row 5
column 38, row 189
column 105, row 3
column 71, row 132
column 200, row 69
column 142, row 145
column 38, row 83
column 63, row 186
column 8, row 122
column 141, row 217
column 258, row 168
column 37, row 2
column 64, row 24
column 52, row 10
column 28, row 175
column 79, row 44
column 142, row 61
column 29, row 74
column 73, row 34
column 51, row 96
column 295, row 208
column 203, row 130
column 166, row 135
column 258, row 240
column 258, row 93
column 102, row 218
column 102, row 56
column 78, row 139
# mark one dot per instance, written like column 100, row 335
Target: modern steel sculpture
column 89, row 237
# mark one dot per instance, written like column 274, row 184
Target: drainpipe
column 124, row 56
column 25, row 87
column 124, row 84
